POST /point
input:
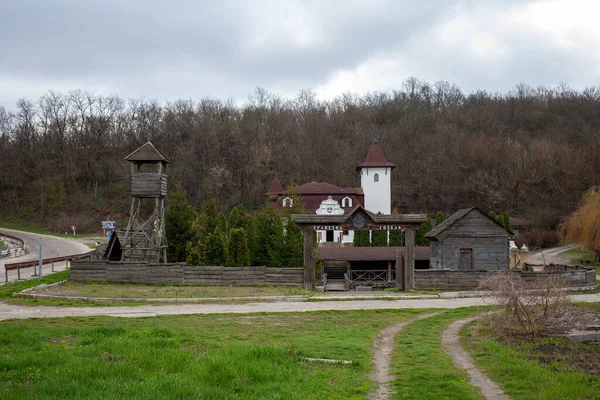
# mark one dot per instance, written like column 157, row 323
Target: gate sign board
column 108, row 224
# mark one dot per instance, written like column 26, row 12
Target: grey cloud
column 170, row 49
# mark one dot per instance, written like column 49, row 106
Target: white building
column 375, row 194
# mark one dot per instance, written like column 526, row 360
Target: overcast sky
column 166, row 50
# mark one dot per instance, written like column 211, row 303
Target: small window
column 287, row 202
column 376, row 177
column 346, row 202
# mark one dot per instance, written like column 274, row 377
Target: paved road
column 9, row 311
column 52, row 247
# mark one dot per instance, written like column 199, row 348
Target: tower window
column 376, row 178
column 287, row 202
column 346, row 202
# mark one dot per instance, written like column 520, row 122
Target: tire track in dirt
column 461, row 359
column 382, row 357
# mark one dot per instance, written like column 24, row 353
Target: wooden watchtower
column 145, row 238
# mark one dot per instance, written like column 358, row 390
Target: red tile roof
column 376, row 157
column 322, row 188
column 275, row 188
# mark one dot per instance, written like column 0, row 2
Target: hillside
column 531, row 152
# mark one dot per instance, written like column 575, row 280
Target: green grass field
column 525, row 372
column 207, row 357
column 141, row 291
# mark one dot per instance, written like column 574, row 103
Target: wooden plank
column 309, row 262
column 409, row 257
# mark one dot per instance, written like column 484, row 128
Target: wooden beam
column 409, row 264
column 309, row 262
column 399, row 269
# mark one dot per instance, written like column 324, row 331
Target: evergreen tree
column 492, row 214
column 291, row 254
column 420, row 239
column 204, row 226
column 238, row 253
column 268, row 238
column 193, row 254
column 362, row 238
column 293, row 251
column 379, row 238
column 179, row 219
column 221, row 222
column 356, row 240
column 240, row 218
column 440, row 217
column 396, row 238
column 506, row 220
column 214, row 248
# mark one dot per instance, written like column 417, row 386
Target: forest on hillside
column 531, row 151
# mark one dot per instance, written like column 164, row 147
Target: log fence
column 180, row 274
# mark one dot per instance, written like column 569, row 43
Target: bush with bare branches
column 527, row 307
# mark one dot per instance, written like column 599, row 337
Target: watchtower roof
column 147, row 152
column 376, row 158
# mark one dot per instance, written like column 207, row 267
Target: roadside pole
column 40, row 259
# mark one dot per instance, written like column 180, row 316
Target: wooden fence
column 179, row 274
column 450, row 280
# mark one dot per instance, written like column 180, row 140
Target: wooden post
column 309, row 262
column 399, row 269
column 389, row 276
column 409, row 259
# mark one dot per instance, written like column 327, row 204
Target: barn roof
column 146, row 152
column 451, row 220
column 376, row 157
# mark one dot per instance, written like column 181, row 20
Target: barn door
column 466, row 260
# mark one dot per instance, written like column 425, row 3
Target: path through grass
column 422, row 368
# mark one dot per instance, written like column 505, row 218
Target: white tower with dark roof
column 376, row 180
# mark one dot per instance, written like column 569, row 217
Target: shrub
column 526, row 307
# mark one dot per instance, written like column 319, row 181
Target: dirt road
column 9, row 311
column 551, row 255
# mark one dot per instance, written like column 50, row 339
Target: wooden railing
column 373, row 278
column 45, row 261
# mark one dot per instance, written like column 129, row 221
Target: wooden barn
column 469, row 240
